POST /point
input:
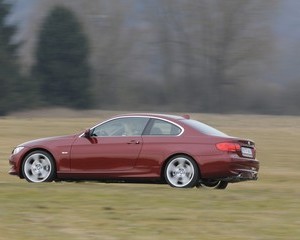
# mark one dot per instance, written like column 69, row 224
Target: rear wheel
column 214, row 184
column 38, row 166
column 182, row 172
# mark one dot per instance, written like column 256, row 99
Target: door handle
column 134, row 142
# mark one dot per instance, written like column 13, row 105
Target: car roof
column 155, row 115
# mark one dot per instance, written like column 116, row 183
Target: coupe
column 140, row 148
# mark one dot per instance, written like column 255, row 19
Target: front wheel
column 38, row 166
column 181, row 172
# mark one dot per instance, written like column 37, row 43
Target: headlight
column 17, row 150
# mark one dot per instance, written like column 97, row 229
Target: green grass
column 265, row 209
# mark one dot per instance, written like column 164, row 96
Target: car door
column 160, row 140
column 113, row 146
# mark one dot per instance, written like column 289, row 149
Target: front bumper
column 12, row 171
column 13, row 165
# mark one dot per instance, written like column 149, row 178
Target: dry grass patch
column 266, row 209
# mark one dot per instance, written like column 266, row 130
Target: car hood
column 41, row 141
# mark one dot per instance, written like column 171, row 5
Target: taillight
column 228, row 147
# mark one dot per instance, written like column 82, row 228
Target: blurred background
column 209, row 56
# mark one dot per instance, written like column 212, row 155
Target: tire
column 213, row 184
column 182, row 172
column 38, row 166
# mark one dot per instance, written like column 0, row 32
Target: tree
column 211, row 50
column 62, row 69
column 241, row 44
column 235, row 41
column 9, row 72
column 205, row 55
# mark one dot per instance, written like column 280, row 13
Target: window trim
column 150, row 119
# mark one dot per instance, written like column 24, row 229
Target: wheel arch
column 163, row 167
column 31, row 151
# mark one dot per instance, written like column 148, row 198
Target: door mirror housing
column 87, row 133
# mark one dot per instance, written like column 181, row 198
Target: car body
column 140, row 147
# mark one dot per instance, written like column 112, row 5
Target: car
column 142, row 147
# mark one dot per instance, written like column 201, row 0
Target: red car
column 140, row 148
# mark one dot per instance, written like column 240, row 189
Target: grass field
column 265, row 209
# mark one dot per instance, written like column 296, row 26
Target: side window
column 161, row 127
column 129, row 126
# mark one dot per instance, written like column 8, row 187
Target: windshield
column 203, row 128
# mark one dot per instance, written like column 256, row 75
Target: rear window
column 203, row 128
column 161, row 127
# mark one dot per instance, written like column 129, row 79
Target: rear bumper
column 242, row 170
column 241, row 175
column 230, row 168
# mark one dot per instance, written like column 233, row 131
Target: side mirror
column 87, row 133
